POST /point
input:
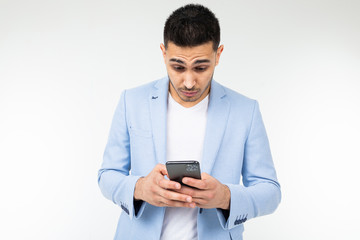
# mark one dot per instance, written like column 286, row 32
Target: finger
column 170, row 203
column 162, row 169
column 193, row 192
column 159, row 194
column 196, row 183
column 171, row 195
column 168, row 184
column 200, row 201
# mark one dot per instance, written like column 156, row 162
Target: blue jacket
column 236, row 149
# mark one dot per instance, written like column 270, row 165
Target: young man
column 188, row 116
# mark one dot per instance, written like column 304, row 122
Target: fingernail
column 192, row 205
column 188, row 199
column 177, row 186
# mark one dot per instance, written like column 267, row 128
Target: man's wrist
column 137, row 191
column 227, row 198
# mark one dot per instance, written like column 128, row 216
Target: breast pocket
column 141, row 148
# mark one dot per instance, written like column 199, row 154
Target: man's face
column 190, row 71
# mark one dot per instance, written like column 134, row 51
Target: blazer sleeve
column 260, row 193
column 114, row 178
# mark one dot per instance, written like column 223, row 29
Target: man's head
column 191, row 52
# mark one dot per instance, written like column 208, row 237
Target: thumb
column 162, row 169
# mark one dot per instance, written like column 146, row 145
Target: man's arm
column 113, row 178
column 260, row 193
column 127, row 190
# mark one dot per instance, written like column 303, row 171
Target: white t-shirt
column 185, row 139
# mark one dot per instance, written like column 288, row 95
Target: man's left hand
column 207, row 192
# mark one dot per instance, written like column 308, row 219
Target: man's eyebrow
column 176, row 60
column 196, row 62
column 201, row 61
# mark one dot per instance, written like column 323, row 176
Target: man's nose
column 189, row 80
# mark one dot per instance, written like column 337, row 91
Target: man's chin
column 189, row 99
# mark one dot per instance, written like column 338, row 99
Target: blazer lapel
column 158, row 109
column 217, row 116
column 218, row 112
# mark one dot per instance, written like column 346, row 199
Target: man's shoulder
column 146, row 87
column 234, row 96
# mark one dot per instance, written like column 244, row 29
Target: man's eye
column 178, row 68
column 200, row 69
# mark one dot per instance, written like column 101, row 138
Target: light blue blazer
column 236, row 152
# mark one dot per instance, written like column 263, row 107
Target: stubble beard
column 191, row 99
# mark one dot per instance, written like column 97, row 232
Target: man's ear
column 163, row 50
column 218, row 53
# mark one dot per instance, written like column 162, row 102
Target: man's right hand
column 158, row 191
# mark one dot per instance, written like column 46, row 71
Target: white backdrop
column 63, row 65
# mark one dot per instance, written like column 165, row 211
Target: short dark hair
column 192, row 25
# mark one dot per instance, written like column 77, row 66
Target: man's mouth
column 189, row 94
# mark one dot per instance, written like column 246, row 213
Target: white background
column 63, row 65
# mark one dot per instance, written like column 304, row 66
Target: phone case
column 177, row 170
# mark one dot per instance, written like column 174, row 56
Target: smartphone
column 177, row 170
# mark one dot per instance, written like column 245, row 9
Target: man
column 188, row 116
